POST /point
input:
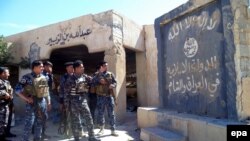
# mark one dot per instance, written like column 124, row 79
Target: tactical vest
column 104, row 89
column 93, row 87
column 8, row 87
column 5, row 87
column 39, row 87
column 81, row 86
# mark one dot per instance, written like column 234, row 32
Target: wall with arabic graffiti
column 192, row 67
column 94, row 31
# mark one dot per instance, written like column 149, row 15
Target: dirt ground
column 127, row 131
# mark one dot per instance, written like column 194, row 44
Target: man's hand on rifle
column 10, row 92
column 7, row 96
column 30, row 100
column 103, row 81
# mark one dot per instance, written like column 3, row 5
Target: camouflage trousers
column 102, row 103
column 4, row 114
column 55, row 114
column 35, row 114
column 92, row 105
column 79, row 107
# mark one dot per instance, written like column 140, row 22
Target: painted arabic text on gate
column 197, row 70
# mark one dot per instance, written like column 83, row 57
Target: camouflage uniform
column 92, row 97
column 5, row 88
column 54, row 114
column 62, row 85
column 76, row 89
column 30, row 87
column 105, row 99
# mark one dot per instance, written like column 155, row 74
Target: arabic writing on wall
column 193, row 85
column 203, row 21
column 193, row 66
column 66, row 35
column 194, row 80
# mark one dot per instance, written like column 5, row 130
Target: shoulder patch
column 23, row 81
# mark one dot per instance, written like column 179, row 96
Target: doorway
column 90, row 60
column 131, row 89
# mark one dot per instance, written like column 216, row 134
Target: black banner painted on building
column 192, row 67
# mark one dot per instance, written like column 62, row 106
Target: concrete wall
column 146, row 67
column 82, row 30
column 79, row 31
column 133, row 35
column 241, row 34
column 233, row 18
column 241, row 30
column 192, row 54
column 194, row 128
column 141, row 79
column 151, row 66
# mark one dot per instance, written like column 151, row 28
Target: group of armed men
column 75, row 90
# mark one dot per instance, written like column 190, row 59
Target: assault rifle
column 65, row 123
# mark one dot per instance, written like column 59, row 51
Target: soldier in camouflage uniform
column 70, row 70
column 54, row 113
column 5, row 98
column 92, row 95
column 64, row 125
column 10, row 105
column 105, row 82
column 33, row 89
column 76, row 89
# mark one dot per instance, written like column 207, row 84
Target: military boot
column 94, row 139
column 114, row 133
column 82, row 132
column 101, row 132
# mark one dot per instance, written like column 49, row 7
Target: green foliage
column 5, row 54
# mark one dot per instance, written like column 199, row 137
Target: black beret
column 68, row 64
column 102, row 63
column 77, row 63
column 47, row 63
column 2, row 69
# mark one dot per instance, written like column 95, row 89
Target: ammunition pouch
column 102, row 90
column 28, row 90
column 92, row 90
column 82, row 88
column 42, row 91
column 41, row 88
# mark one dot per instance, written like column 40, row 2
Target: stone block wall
column 146, row 67
column 241, row 31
